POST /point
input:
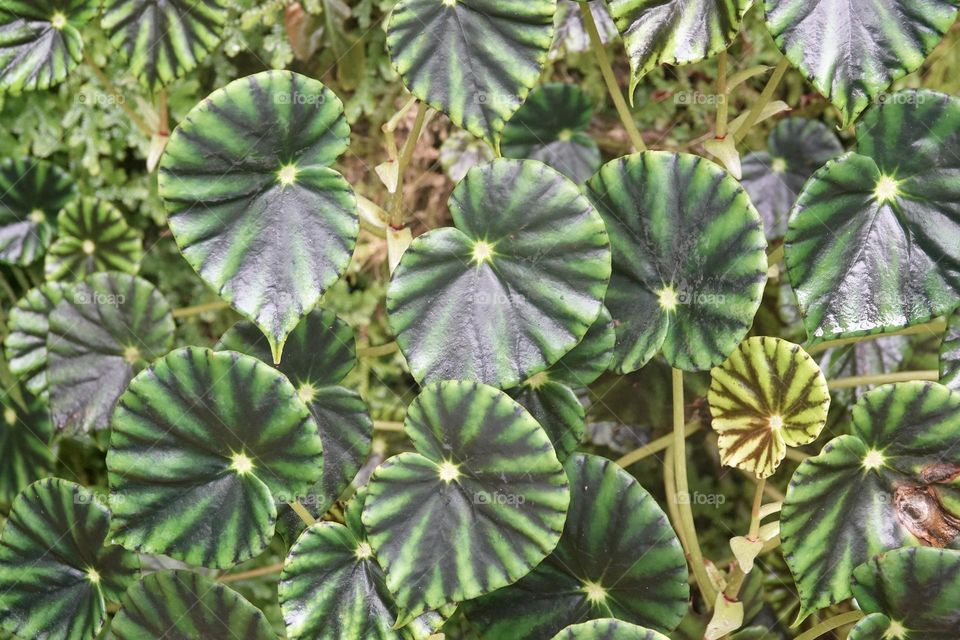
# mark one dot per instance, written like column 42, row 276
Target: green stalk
column 735, row 583
column 830, row 624
column 301, row 511
column 396, row 201
column 655, row 446
column 252, row 573
column 933, row 327
column 883, row 378
column 765, row 96
column 378, row 350
column 186, row 312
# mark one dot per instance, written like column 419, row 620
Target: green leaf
column 204, row 447
column 26, row 341
column 558, row 410
column 949, row 354
column 100, row 334
column 867, row 357
column 24, row 446
column 40, row 41
column 591, row 358
column 481, row 503
column 608, row 629
column 874, row 626
column 868, row 45
column 254, row 205
column 511, row 288
column 917, row 589
column 674, row 32
column 572, row 36
column 32, row 192
column 93, row 236
column 689, row 259
column 182, row 604
column 774, row 178
column 873, row 240
column 493, row 53
column 56, row 573
column 551, row 126
column 886, row 485
column 767, row 396
column 617, row 558
column 162, row 41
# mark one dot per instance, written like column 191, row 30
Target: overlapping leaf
column 689, row 260
column 571, row 35
column 617, row 558
column 24, row 445
column 480, row 505
column 558, row 410
column 891, row 483
column 204, row 445
column 874, row 238
column 950, row 353
column 475, row 60
column 512, row 288
column 93, row 236
column 868, row 357
column 56, row 573
column 254, row 205
column 853, row 50
column 32, row 192
column 26, row 341
column 607, row 629
column 590, row 358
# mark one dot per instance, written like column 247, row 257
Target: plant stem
column 608, row 76
column 795, row 455
column 253, row 573
column 737, row 576
column 391, row 125
column 670, row 489
column 775, row 255
column 119, row 99
column 721, row 128
column 163, row 111
column 830, row 624
column 186, row 312
column 883, row 378
column 379, row 350
column 303, row 513
column 933, row 327
column 383, row 425
column 765, row 96
column 396, row 201
column 683, row 489
column 655, row 446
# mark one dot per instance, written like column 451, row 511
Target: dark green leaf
column 32, row 192
column 572, row 36
column 949, row 353
column 608, row 629
column 873, row 626
column 24, row 446
column 26, row 341
column 591, row 358
column 558, row 410
column 93, row 236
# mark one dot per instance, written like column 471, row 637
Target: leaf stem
column 737, row 576
column 383, row 425
column 933, row 327
column 765, row 96
column 655, row 446
column 722, row 111
column 830, row 624
column 119, row 98
column 883, row 378
column 608, row 76
column 253, row 573
column 301, row 511
column 186, row 312
column 378, row 350
column 396, row 201
column 670, row 489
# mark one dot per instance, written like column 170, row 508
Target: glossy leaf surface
column 92, row 236
column 24, row 445
column 26, row 341
column 950, row 353
column 558, row 410
column 608, row 629
column 32, row 192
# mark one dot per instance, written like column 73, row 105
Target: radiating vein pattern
column 26, row 341
column 32, row 192
column 92, row 236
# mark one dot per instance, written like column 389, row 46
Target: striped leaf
column 689, row 259
column 182, row 604
column 24, row 446
column 917, row 590
column 676, row 32
column 558, row 410
column 617, row 558
column 493, row 53
column 26, row 341
column 768, row 395
column 204, row 447
column 591, row 358
column 886, row 485
column 56, row 572
column 93, row 236
column 868, row 357
column 873, row 626
column 161, row 40
column 508, row 291
column 40, row 41
column 32, row 192
column 572, row 36
column 254, row 205
column 551, row 126
column 608, row 629
column 890, row 38
column 949, row 353
column 480, row 505
column 796, row 147
column 861, row 251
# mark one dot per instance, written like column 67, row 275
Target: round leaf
column 253, row 204
column 767, row 396
column 162, row 41
column 508, row 291
column 886, row 485
column 204, row 446
column 481, row 503
column 551, row 126
column 24, row 446
column 617, row 558
column 56, row 575
column 26, row 341
column 591, row 358
column 181, row 605
column 607, row 629
column 493, row 53
column 93, row 236
column 853, row 50
column 32, row 192
column 558, row 410
column 873, row 626
column 874, row 236
column 689, row 259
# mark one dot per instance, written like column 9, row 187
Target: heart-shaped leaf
column 689, row 258
column 551, row 126
column 32, row 192
column 917, row 589
column 674, row 32
column 204, row 447
column 874, row 236
column 93, row 236
column 888, row 484
column 558, row 410
column 481, row 503
column 56, row 573
column 774, row 178
column 608, row 629
column 868, row 45
column 26, row 341
column 161, row 41
column 617, row 558
column 24, row 446
column 182, row 604
column 493, row 53
column 254, row 205
column 40, row 41
column 512, row 288
column 767, row 396
column 949, row 353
